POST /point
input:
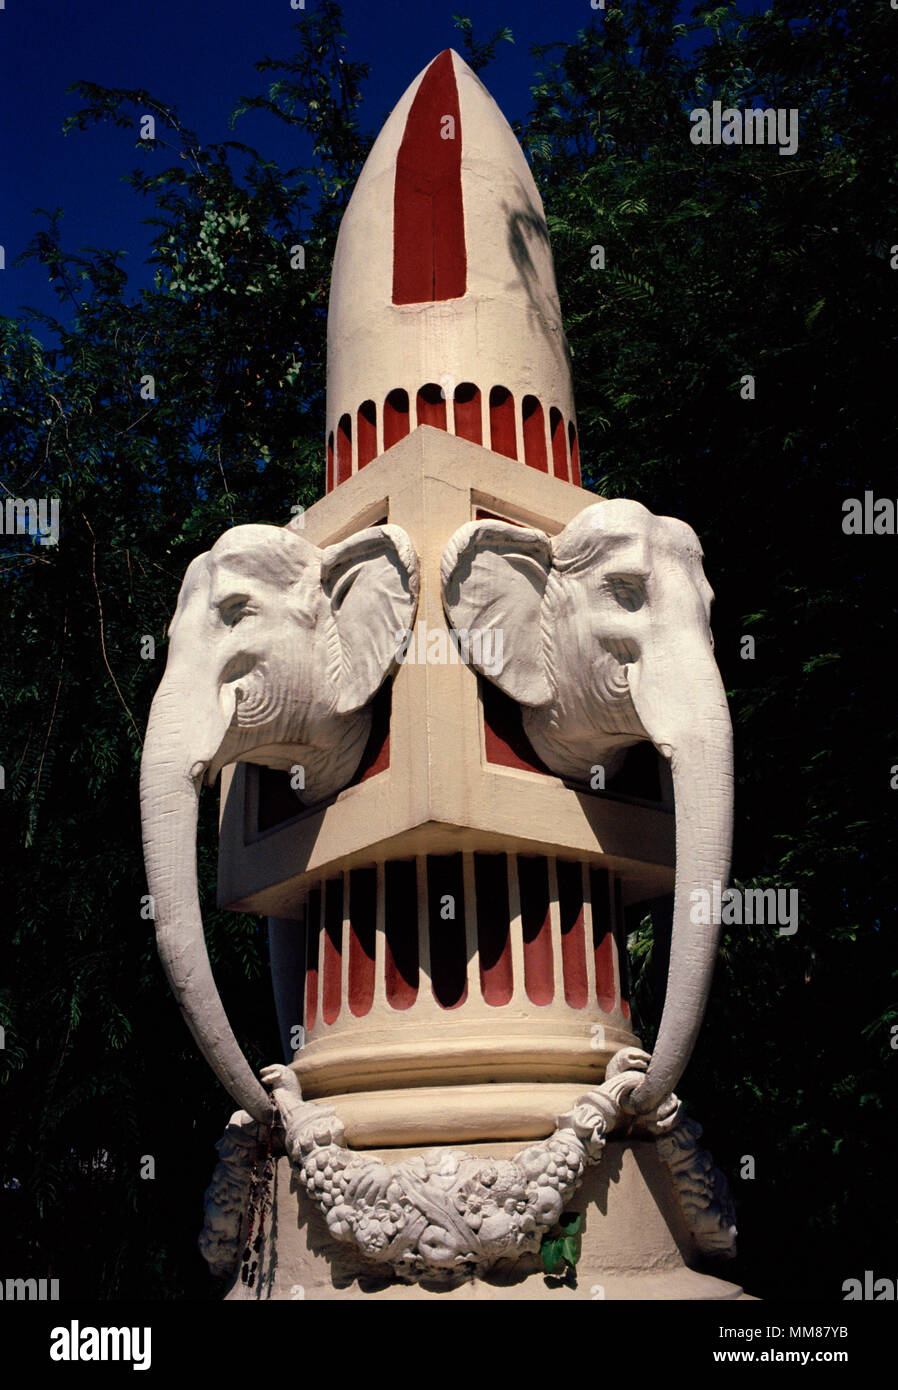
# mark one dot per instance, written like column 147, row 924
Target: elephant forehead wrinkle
column 582, row 547
column 264, row 552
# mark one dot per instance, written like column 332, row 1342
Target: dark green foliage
column 560, row 1253
column 235, row 340
column 719, row 262
column 722, row 261
column 478, row 55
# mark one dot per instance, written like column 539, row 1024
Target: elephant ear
column 494, row 578
column 371, row 583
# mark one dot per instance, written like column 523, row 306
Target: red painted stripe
column 366, row 424
column 559, row 444
column 313, row 918
column 502, row 431
column 332, row 969
column 539, row 978
column 573, row 935
column 468, row 422
column 534, row 434
column 362, row 932
column 432, row 407
column 396, row 424
column 401, row 945
column 493, row 928
column 575, row 454
column 344, row 449
column 602, row 939
column 429, row 256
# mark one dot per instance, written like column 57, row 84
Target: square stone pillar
column 462, row 909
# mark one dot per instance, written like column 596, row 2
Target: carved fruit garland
column 446, row 1213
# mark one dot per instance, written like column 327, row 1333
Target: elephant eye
column 628, row 590
column 233, row 608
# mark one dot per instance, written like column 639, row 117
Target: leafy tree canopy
column 719, row 262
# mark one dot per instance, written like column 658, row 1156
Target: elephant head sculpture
column 606, row 641
column 276, row 650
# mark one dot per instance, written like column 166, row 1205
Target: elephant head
column 276, row 650
column 606, row 641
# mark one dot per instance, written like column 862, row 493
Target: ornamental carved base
column 445, row 1215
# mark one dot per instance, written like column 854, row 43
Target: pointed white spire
column 446, row 205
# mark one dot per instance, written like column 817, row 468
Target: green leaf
column 569, row 1250
column 551, row 1252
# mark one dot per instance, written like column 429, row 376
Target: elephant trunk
column 689, row 723
column 171, row 774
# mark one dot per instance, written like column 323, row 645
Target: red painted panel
column 502, row 432
column 539, row 977
column 344, row 449
column 534, row 434
column 575, row 454
column 429, row 256
column 602, row 943
column 503, row 728
column 376, row 757
column 381, row 759
column 559, row 444
column 573, row 935
column 313, row 935
column 332, row 969
column 330, row 462
column 468, row 422
column 493, row 928
column 396, row 423
column 362, row 932
column 432, row 407
column 401, row 945
column 366, row 423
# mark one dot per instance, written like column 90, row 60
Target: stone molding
column 445, row 1213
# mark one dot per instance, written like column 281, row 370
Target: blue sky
column 197, row 55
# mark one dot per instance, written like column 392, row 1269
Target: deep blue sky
column 197, row 55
